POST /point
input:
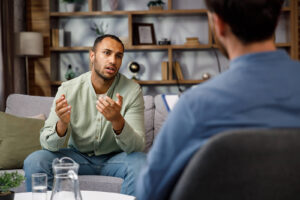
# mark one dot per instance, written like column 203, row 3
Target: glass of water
column 39, row 186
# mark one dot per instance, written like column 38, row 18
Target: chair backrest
column 244, row 165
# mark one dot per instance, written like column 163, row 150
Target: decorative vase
column 113, row 4
column 7, row 196
column 70, row 7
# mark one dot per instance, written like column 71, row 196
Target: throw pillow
column 40, row 116
column 19, row 137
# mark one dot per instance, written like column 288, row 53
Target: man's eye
column 106, row 52
column 119, row 56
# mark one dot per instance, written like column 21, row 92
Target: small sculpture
column 206, row 76
column 134, row 68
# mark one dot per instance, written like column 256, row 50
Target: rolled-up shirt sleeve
column 49, row 138
column 132, row 137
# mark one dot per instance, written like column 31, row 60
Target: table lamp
column 29, row 44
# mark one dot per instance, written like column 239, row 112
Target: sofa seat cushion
column 160, row 114
column 149, row 118
column 19, row 137
column 100, row 183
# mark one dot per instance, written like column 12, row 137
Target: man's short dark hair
column 100, row 38
column 250, row 20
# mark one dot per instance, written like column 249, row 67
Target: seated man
column 104, row 113
column 261, row 89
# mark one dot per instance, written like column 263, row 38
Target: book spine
column 61, row 37
column 177, row 71
column 164, row 71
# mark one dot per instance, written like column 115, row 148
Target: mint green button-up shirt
column 89, row 131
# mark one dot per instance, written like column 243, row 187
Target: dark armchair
column 244, row 165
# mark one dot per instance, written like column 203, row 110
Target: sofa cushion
column 19, row 137
column 26, row 105
column 160, row 114
column 100, row 183
column 149, row 118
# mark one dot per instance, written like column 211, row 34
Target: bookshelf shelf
column 153, row 82
column 139, row 47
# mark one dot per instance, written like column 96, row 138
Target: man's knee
column 136, row 159
column 38, row 160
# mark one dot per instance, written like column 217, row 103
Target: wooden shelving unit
column 153, row 82
column 291, row 46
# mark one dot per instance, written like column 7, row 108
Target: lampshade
column 30, row 44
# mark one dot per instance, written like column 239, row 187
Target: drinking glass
column 39, row 186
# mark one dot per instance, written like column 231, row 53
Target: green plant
column 156, row 3
column 99, row 29
column 10, row 180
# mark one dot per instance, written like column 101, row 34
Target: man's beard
column 102, row 76
column 221, row 46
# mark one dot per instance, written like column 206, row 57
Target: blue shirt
column 260, row 90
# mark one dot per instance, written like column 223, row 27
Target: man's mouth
column 110, row 69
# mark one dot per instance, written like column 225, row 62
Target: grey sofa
column 26, row 105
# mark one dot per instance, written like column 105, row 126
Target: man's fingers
column 61, row 104
column 110, row 101
column 120, row 99
column 100, row 105
column 103, row 101
column 101, row 109
column 62, row 111
column 66, row 114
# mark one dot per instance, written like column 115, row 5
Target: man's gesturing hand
column 63, row 111
column 110, row 109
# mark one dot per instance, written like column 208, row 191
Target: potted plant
column 69, row 5
column 156, row 5
column 99, row 28
column 8, row 181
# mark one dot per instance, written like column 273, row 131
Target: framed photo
column 143, row 34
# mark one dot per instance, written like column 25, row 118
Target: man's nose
column 113, row 59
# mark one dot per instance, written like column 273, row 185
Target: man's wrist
column 61, row 128
column 118, row 126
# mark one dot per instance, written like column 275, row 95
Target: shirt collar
column 111, row 89
column 259, row 57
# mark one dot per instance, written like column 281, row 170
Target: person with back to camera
column 104, row 113
column 260, row 90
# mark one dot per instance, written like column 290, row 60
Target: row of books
column 176, row 71
column 57, row 37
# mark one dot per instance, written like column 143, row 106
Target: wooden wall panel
column 37, row 17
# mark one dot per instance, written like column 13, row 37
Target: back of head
column 250, row 20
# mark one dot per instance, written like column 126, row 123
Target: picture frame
column 143, row 34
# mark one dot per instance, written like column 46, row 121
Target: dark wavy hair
column 250, row 20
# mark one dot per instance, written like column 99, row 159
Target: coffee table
column 86, row 195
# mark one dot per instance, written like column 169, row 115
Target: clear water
column 39, row 193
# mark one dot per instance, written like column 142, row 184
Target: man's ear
column 219, row 25
column 92, row 58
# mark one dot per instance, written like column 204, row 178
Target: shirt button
column 96, row 137
column 99, row 120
